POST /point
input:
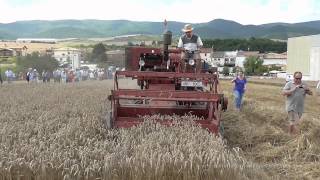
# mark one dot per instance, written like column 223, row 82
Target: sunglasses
column 297, row 78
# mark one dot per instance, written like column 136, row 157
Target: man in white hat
column 190, row 42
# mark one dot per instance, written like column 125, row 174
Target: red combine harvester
column 164, row 89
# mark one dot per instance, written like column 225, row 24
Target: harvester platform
column 130, row 105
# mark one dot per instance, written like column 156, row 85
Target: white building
column 237, row 59
column 242, row 55
column 36, row 40
column 70, row 56
column 275, row 59
column 232, row 58
column 304, row 56
column 205, row 55
column 91, row 67
column 217, row 58
column 224, row 58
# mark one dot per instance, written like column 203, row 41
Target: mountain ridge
column 217, row 28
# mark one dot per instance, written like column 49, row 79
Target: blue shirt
column 240, row 84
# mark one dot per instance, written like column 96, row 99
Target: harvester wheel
column 224, row 103
column 109, row 120
column 140, row 83
column 221, row 129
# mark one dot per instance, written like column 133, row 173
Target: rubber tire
column 224, row 103
column 109, row 120
column 221, row 129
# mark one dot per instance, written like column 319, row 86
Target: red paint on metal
column 166, row 94
column 167, row 75
column 133, row 56
column 159, row 94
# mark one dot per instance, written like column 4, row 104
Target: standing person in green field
column 295, row 91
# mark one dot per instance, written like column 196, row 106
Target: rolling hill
column 218, row 28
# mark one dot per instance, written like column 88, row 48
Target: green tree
column 99, row 55
column 37, row 62
column 274, row 67
column 225, row 71
column 234, row 69
column 254, row 66
column 252, row 44
column 87, row 56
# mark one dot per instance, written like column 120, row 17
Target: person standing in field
column 1, row 78
column 29, row 75
column 295, row 91
column 64, row 76
column 35, row 76
column 9, row 75
column 318, row 91
column 240, row 83
column 288, row 78
column 44, row 76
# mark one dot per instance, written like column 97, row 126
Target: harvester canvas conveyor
column 161, row 97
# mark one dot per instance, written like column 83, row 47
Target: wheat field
column 57, row 131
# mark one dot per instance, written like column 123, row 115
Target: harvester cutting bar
column 125, row 122
column 150, row 102
column 171, row 75
column 194, row 96
column 168, row 77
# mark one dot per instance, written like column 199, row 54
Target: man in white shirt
column 190, row 42
column 288, row 78
column 9, row 75
column 295, row 91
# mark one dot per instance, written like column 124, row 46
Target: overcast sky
column 193, row 11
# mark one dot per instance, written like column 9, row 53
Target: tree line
column 252, row 44
column 46, row 62
column 96, row 53
column 36, row 61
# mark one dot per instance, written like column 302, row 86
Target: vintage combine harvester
column 164, row 89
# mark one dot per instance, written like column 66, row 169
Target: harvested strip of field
column 56, row 131
column 260, row 130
